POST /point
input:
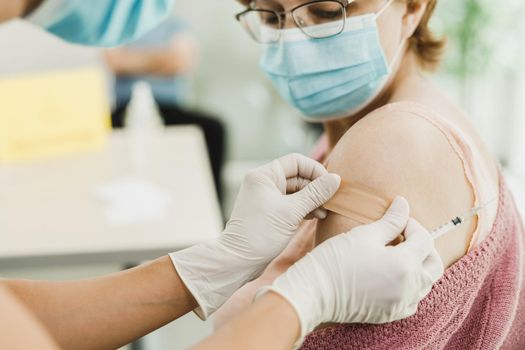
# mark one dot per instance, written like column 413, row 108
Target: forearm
column 108, row 312
column 238, row 302
column 161, row 62
column 19, row 328
column 302, row 243
column 269, row 323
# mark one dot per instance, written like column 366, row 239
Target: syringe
column 459, row 220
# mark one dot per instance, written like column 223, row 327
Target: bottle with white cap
column 143, row 123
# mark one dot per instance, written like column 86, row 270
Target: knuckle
column 392, row 222
column 296, row 155
column 315, row 193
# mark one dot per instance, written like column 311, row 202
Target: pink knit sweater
column 479, row 303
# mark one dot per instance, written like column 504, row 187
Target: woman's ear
column 415, row 9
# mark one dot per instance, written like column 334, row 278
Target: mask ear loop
column 402, row 47
column 383, row 9
column 397, row 56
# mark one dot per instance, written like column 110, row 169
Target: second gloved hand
column 357, row 277
column 272, row 203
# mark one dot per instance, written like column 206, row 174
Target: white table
column 51, row 212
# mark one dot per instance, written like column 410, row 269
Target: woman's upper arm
column 397, row 153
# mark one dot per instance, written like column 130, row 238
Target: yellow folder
column 51, row 114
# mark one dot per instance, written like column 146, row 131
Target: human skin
column 441, row 191
column 88, row 313
column 111, row 311
column 302, row 243
column 176, row 58
column 407, row 83
column 20, row 330
column 106, row 312
column 382, row 150
column 279, row 328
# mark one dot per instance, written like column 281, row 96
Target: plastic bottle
column 142, row 123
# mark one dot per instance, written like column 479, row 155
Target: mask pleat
column 309, row 86
column 339, row 106
column 317, row 55
column 334, row 76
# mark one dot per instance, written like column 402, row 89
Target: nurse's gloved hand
column 357, row 277
column 273, row 201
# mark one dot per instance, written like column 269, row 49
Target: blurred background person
column 164, row 58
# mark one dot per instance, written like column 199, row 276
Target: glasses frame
column 281, row 17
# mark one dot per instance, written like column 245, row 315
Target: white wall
column 29, row 49
column 228, row 83
column 517, row 158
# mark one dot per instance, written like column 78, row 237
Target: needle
column 459, row 220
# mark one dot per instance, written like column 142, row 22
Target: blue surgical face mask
column 330, row 78
column 100, row 22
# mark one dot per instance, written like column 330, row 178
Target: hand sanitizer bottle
column 143, row 123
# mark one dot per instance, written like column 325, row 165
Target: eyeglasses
column 265, row 26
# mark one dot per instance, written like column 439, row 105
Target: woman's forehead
column 291, row 3
column 284, row 3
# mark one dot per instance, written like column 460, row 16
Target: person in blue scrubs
column 164, row 58
column 347, row 279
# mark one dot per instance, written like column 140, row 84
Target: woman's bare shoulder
column 399, row 153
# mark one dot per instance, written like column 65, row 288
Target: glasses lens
column 320, row 19
column 263, row 26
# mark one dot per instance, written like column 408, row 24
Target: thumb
column 315, row 194
column 392, row 224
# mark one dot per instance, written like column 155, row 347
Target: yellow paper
column 53, row 114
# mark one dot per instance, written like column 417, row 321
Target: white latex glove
column 274, row 199
column 357, row 278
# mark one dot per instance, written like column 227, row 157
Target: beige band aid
column 358, row 202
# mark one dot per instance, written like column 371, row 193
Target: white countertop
column 83, row 208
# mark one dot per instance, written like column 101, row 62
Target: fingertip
column 335, row 181
column 298, row 165
column 328, row 185
column 394, row 222
column 400, row 206
column 337, row 178
column 316, row 194
column 320, row 213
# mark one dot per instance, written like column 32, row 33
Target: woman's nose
column 288, row 21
